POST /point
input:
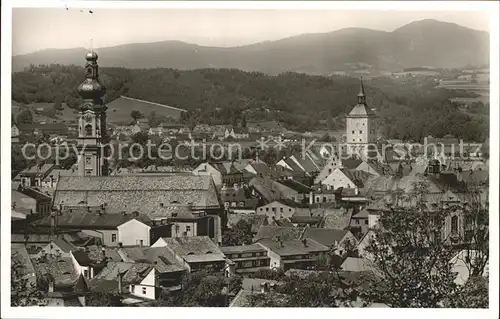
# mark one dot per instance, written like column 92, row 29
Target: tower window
column 88, row 130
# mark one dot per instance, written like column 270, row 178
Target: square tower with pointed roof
column 360, row 122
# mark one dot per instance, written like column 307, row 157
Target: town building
column 31, row 200
column 195, row 253
column 247, row 258
column 294, row 253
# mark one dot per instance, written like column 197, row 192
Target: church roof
column 144, row 194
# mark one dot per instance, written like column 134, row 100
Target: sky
column 35, row 29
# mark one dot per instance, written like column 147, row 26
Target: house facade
column 247, row 258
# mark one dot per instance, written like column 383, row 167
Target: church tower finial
column 361, row 94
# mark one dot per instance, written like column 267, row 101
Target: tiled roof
column 162, row 259
column 82, row 258
column 84, row 219
column 198, row 245
column 37, row 169
column 361, row 110
column 107, row 278
column 272, row 232
column 242, row 249
column 19, row 252
column 256, row 220
column 144, row 194
column 33, row 193
column 325, row 236
column 297, row 186
column 64, row 245
column 351, row 163
column 293, row 247
column 60, row 269
column 362, row 214
column 95, row 253
column 294, row 166
column 357, row 177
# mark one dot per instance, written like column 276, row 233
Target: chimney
column 311, row 198
column 120, row 275
column 51, row 285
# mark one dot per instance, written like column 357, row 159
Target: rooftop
column 272, row 232
column 325, row 236
column 242, row 249
column 191, row 248
column 293, row 247
column 146, row 194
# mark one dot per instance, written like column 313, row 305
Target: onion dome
column 91, row 88
column 91, row 56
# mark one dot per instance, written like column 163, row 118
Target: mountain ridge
column 426, row 42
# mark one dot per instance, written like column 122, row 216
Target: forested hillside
column 408, row 109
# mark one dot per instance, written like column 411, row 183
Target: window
column 329, row 170
column 88, row 130
column 360, row 140
column 88, row 160
column 263, row 262
column 324, row 199
column 261, row 209
column 267, row 209
column 281, row 209
column 141, row 242
column 188, row 228
column 366, row 221
column 454, row 224
column 274, row 209
column 85, row 273
column 177, row 228
column 289, row 209
column 143, row 290
column 360, row 132
column 352, row 132
column 357, row 221
column 132, row 288
column 363, row 124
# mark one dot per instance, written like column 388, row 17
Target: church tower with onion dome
column 92, row 131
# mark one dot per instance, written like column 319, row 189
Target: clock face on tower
column 88, row 118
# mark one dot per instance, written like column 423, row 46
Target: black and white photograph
column 249, row 154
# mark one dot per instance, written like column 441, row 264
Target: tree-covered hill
column 408, row 109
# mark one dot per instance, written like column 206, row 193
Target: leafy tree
column 58, row 103
column 25, row 117
column 201, row 289
column 102, row 299
column 413, row 255
column 23, row 293
column 240, row 234
column 136, row 115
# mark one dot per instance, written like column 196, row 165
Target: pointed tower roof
column 361, row 109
